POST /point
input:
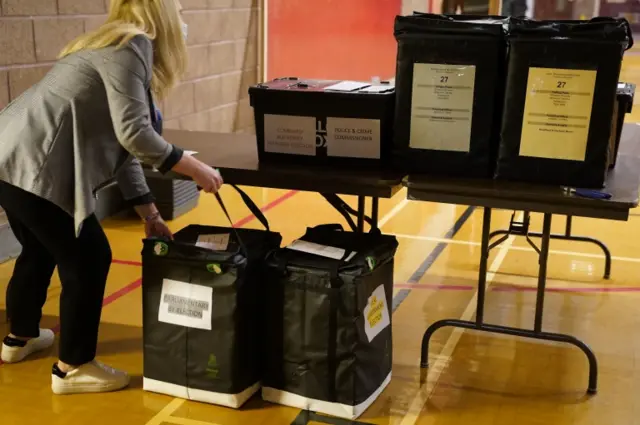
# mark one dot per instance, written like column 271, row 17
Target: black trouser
column 48, row 238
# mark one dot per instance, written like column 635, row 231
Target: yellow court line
column 187, row 421
column 392, row 213
column 515, row 248
column 165, row 414
column 436, row 368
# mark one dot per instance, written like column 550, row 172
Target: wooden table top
column 623, row 183
column 236, row 156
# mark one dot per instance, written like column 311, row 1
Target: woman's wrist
column 189, row 166
column 148, row 212
column 152, row 217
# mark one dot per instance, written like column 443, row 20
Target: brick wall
column 223, row 62
column 222, row 44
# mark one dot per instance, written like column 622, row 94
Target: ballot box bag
column 449, row 93
column 202, row 317
column 559, row 102
column 329, row 321
column 306, row 121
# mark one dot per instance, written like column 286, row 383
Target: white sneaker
column 15, row 350
column 93, row 377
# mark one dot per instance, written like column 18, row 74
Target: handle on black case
column 339, row 206
column 252, row 207
column 333, row 227
column 346, row 211
column 233, row 228
column 249, row 204
column 255, row 210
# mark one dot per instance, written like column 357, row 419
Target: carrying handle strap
column 339, row 206
column 235, row 231
column 334, row 270
column 346, row 211
column 252, row 207
column 257, row 213
column 335, row 227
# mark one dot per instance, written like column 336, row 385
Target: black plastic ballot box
column 345, row 123
column 202, row 312
column 329, row 321
column 449, row 93
column 559, row 100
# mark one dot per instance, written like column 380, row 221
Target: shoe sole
column 12, row 359
column 6, row 359
column 86, row 388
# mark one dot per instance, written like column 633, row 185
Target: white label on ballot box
column 442, row 106
column 321, row 250
column 346, row 86
column 185, row 304
column 353, row 137
column 557, row 113
column 290, row 134
column 215, row 242
column 376, row 313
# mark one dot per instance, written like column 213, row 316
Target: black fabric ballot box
column 323, row 122
column 449, row 92
column 560, row 97
column 329, row 321
column 202, row 313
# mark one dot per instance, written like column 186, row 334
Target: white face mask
column 185, row 30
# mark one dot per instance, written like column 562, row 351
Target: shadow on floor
column 114, row 338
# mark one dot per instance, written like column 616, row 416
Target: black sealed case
column 302, row 121
column 449, row 89
column 329, row 321
column 559, row 100
column 202, row 313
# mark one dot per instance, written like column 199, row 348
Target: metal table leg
column 361, row 213
column 374, row 211
column 522, row 229
column 537, row 332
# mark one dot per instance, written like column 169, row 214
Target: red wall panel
column 341, row 39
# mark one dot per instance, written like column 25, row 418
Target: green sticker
column 161, row 248
column 212, row 367
column 214, row 268
column 371, row 262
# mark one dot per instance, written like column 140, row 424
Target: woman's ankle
column 64, row 367
column 20, row 338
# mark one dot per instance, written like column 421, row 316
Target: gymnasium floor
column 474, row 378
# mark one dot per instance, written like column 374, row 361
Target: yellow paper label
column 557, row 113
column 375, row 313
column 442, row 106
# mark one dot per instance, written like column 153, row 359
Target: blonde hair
column 159, row 20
